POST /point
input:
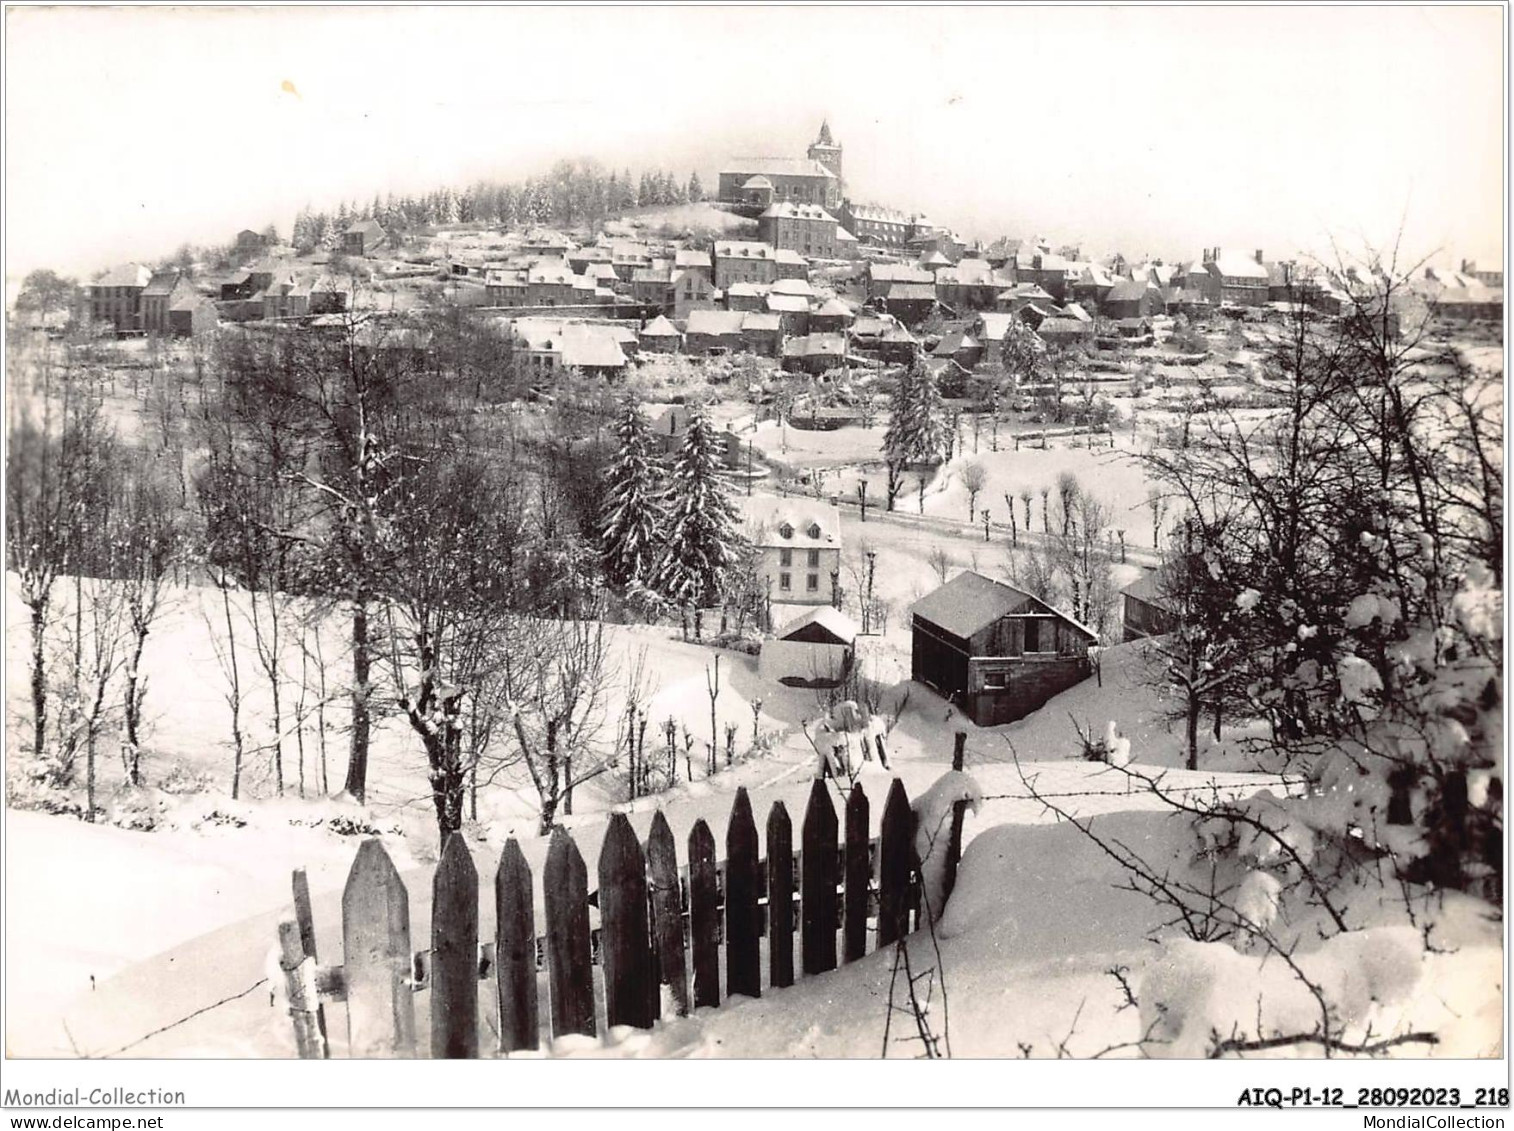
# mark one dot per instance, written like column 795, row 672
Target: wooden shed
column 996, row 652
column 814, row 648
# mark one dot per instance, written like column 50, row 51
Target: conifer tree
column 632, row 519
column 702, row 536
column 928, row 426
column 696, row 188
column 898, row 438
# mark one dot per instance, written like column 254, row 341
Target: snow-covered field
column 127, row 932
column 1111, row 475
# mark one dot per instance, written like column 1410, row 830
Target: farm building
column 996, row 652
column 1146, row 612
column 815, row 647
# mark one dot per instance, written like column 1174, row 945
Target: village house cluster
column 828, row 282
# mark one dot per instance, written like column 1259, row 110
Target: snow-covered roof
column 660, row 327
column 788, row 304
column 970, row 602
column 793, row 287
column 1146, row 588
column 130, row 275
column 716, row 322
column 779, row 167
column 833, row 620
column 743, row 249
column 809, row 523
column 788, row 210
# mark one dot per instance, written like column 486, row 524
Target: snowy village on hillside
column 618, row 611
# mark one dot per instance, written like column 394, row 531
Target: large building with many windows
column 806, row 229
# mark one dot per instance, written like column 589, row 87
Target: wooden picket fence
column 659, row 924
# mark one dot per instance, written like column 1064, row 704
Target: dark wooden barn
column 996, row 652
column 1146, row 614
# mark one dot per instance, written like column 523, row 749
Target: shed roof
column 970, row 602
column 836, row 623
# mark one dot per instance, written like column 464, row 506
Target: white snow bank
column 933, row 818
column 1201, row 993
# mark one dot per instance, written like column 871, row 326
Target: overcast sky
column 1145, row 130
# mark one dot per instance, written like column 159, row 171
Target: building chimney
column 1259, row 255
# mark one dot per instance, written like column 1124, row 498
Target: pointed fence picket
column 704, row 915
column 658, row 927
column 780, row 897
column 743, row 926
column 515, row 951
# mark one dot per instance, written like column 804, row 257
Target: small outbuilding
column 993, row 650
column 816, row 648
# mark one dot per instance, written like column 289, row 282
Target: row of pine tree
column 573, row 193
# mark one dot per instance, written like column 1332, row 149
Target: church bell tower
column 825, row 150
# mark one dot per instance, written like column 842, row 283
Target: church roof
column 779, row 167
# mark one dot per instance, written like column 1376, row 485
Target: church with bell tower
column 760, row 182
